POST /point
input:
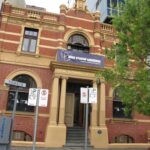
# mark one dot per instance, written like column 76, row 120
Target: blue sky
column 50, row 5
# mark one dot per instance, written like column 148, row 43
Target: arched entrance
column 75, row 111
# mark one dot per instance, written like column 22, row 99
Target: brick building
column 61, row 53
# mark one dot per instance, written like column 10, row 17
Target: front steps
column 76, row 138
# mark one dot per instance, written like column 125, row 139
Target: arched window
column 118, row 106
column 21, row 136
column 78, row 42
column 22, row 94
column 123, row 139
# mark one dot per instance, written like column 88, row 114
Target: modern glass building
column 107, row 8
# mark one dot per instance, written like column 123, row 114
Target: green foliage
column 131, row 69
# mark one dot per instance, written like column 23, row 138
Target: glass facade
column 107, row 8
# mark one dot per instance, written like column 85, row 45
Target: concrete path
column 73, row 148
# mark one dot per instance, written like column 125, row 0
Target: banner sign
column 80, row 58
column 35, row 93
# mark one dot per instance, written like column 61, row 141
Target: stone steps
column 76, row 137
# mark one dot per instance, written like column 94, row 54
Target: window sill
column 128, row 120
column 19, row 113
column 27, row 54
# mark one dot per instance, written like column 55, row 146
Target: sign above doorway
column 80, row 58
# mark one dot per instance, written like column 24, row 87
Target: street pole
column 36, row 119
column 86, row 120
column 12, row 118
column 17, row 85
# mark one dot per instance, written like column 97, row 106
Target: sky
column 50, row 5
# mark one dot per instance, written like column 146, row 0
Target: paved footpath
column 74, row 148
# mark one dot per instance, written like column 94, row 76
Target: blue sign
column 2, row 127
column 5, row 126
column 75, row 57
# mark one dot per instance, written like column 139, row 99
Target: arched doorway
column 77, row 109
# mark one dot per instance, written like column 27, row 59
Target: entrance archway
column 75, row 111
column 57, row 130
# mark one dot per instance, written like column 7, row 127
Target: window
column 30, row 40
column 113, row 3
column 21, row 136
column 118, row 106
column 78, row 43
column 22, row 94
column 123, row 139
column 114, row 7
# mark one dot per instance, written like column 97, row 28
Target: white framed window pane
column 25, row 44
column 32, row 45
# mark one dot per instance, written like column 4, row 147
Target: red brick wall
column 136, row 130
column 26, row 122
column 44, row 74
column 11, row 28
column 109, row 109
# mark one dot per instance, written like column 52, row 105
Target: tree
column 131, row 55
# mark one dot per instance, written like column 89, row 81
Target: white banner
column 33, row 95
column 43, row 97
column 83, row 95
column 92, row 95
